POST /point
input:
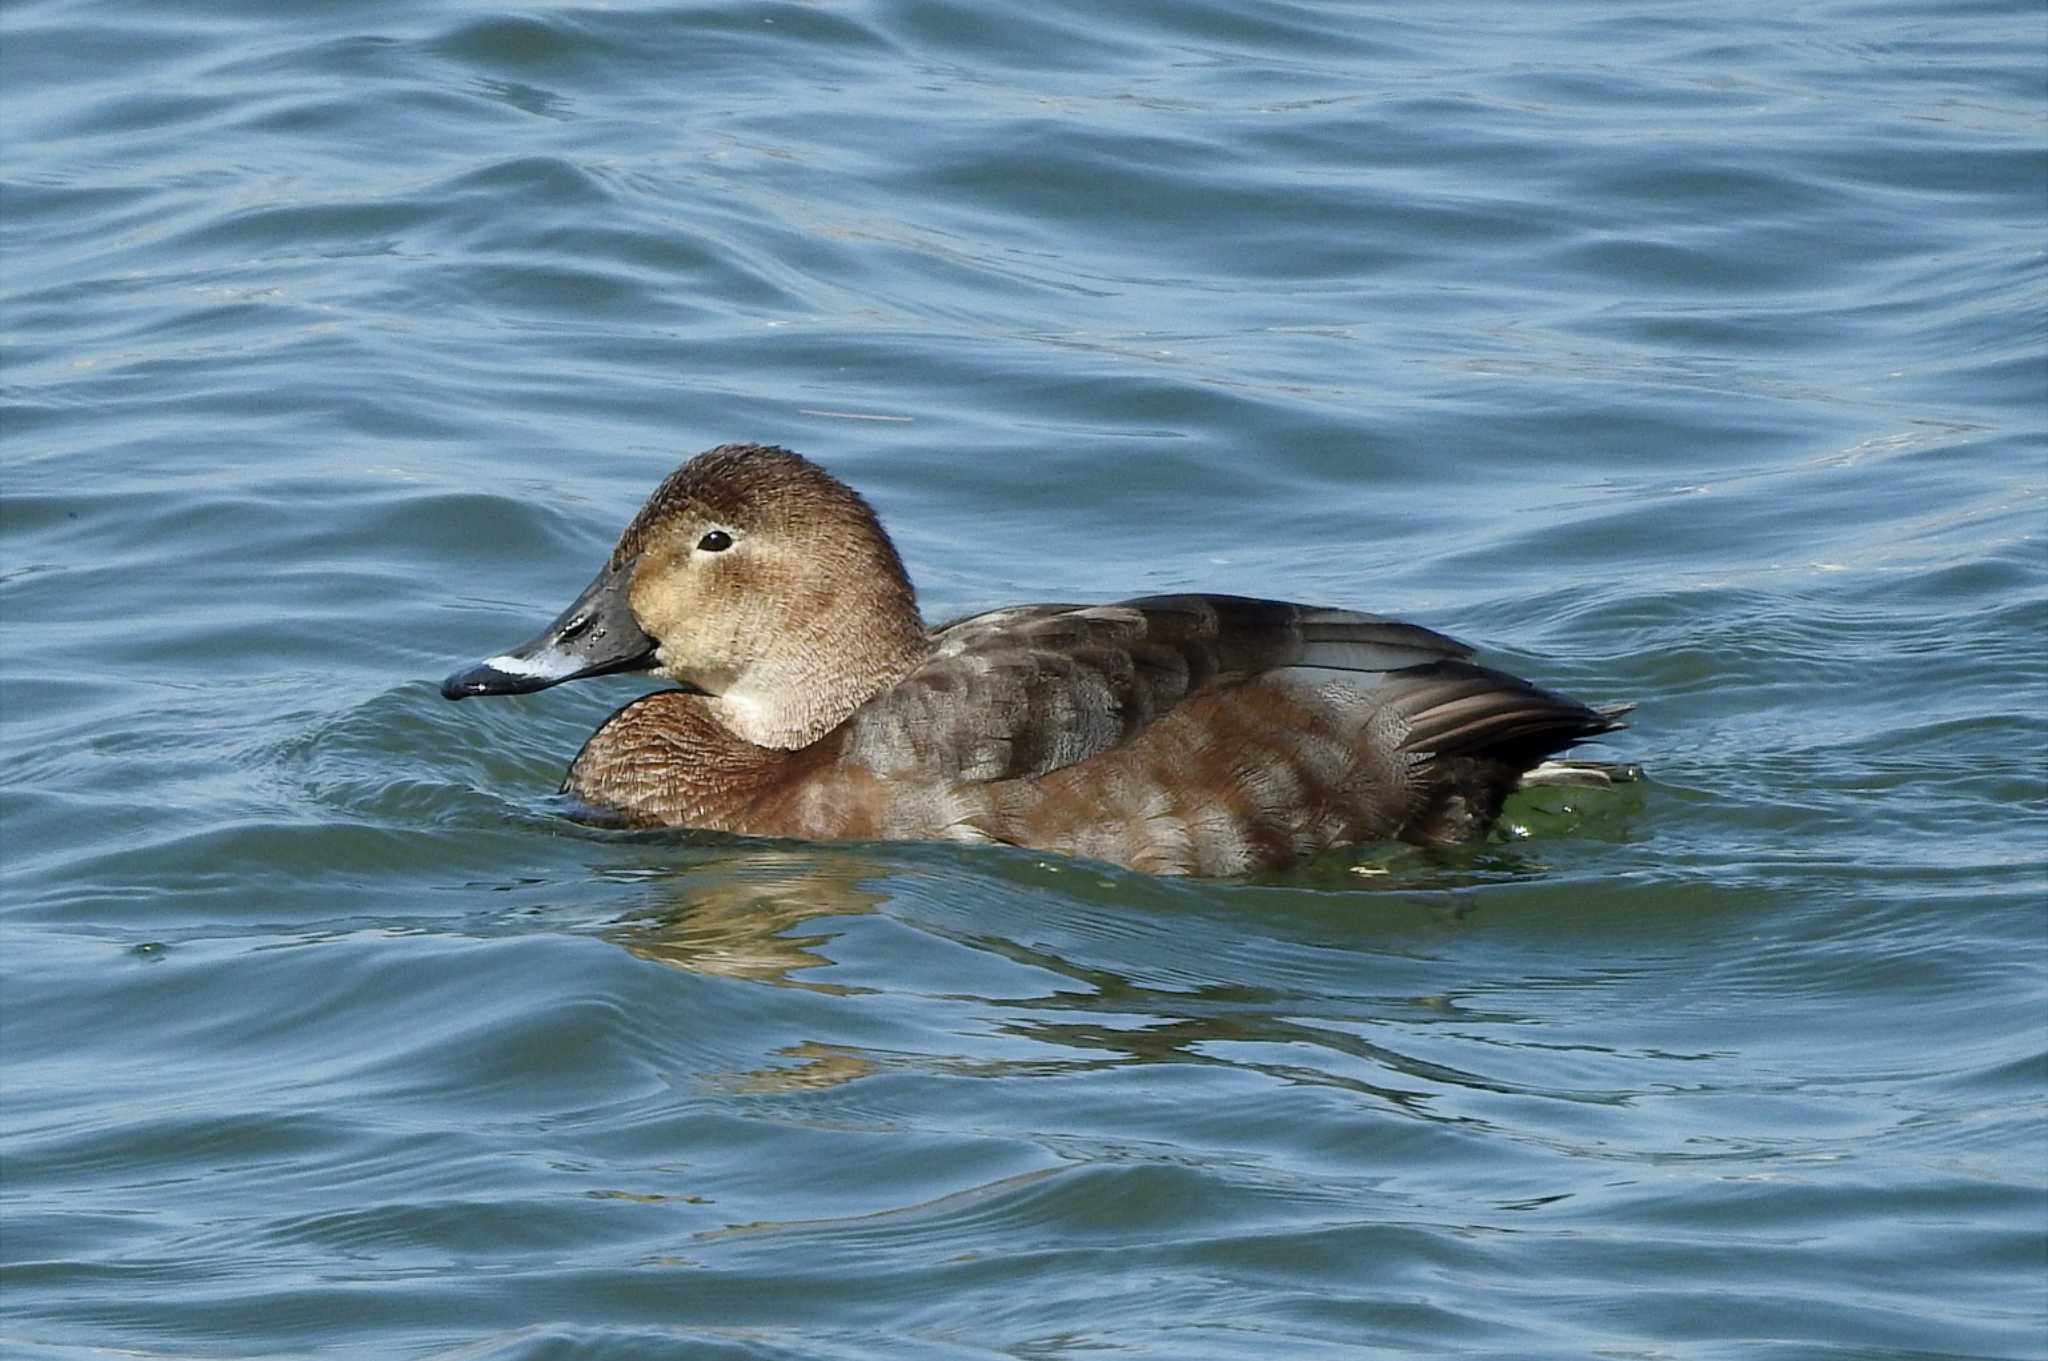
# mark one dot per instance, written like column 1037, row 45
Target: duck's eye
column 717, row 541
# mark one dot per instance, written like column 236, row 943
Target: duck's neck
column 847, row 641
column 791, row 703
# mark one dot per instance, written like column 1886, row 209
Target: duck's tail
column 1484, row 734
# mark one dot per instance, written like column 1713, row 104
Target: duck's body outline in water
column 1181, row 734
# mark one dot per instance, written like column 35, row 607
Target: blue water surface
column 1694, row 356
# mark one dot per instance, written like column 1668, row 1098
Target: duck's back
column 1029, row 690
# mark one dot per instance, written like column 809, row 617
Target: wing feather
column 1454, row 708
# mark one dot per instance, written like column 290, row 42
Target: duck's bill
column 596, row 636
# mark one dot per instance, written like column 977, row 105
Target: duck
column 1210, row 735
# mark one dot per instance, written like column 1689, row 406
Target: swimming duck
column 1177, row 734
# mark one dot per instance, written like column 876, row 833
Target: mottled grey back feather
column 1022, row 691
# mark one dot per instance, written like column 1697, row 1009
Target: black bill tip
column 485, row 679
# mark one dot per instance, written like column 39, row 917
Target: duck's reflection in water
column 740, row 915
column 772, row 916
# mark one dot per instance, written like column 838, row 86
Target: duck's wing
column 1021, row 691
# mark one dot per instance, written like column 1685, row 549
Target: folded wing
column 1022, row 691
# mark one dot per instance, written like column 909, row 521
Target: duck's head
column 751, row 575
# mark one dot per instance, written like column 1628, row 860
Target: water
column 1689, row 355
